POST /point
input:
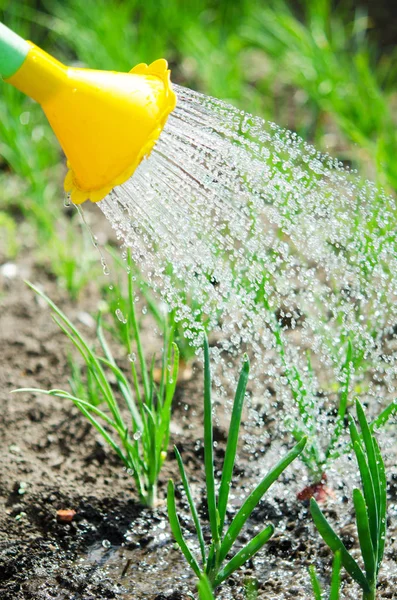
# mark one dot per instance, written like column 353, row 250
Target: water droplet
column 120, row 316
column 105, row 268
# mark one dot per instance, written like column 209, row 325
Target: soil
column 113, row 548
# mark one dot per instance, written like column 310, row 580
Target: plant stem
column 151, row 496
column 371, row 595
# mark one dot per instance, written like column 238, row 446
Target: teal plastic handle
column 13, row 51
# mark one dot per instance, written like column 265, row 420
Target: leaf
column 382, row 504
column 384, row 416
column 335, row 577
column 251, row 502
column 208, row 446
column 344, row 396
column 191, row 504
column 163, row 433
column 245, row 554
column 364, row 535
column 232, row 442
column 368, row 439
column 135, row 329
column 315, row 583
column 369, row 493
column 176, row 529
column 91, row 361
column 121, row 379
column 125, row 390
column 335, row 544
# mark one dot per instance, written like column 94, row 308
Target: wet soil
column 52, row 460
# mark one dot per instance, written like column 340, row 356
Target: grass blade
column 335, row 578
column 335, row 543
column 255, row 496
column 64, row 394
column 163, row 434
column 344, row 396
column 382, row 505
column 369, row 493
column 364, row 536
column 232, row 441
column 136, row 332
column 91, row 362
column 121, row 379
column 125, row 390
column 384, row 416
column 192, row 506
column 315, row 583
column 208, row 446
column 369, row 446
column 245, row 554
column 176, row 529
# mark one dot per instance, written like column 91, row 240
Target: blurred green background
column 324, row 69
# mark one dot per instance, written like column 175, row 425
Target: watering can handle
column 13, row 51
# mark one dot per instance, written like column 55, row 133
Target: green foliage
column 259, row 51
column 251, row 588
column 117, row 299
column 71, row 256
column 370, row 507
column 317, row 456
column 328, row 56
column 142, row 438
column 335, row 580
column 8, row 236
column 213, row 557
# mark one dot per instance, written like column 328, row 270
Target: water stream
column 266, row 237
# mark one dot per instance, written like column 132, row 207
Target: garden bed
column 53, row 460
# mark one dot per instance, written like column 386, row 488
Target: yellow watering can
column 106, row 122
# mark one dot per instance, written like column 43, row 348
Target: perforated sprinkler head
column 105, row 121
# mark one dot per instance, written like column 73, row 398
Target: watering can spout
column 105, row 121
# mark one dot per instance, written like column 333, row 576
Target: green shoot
column 335, row 580
column 316, row 457
column 370, row 508
column 141, row 441
column 213, row 557
column 116, row 298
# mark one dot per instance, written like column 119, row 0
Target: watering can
column 105, row 121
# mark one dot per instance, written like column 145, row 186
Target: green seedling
column 318, row 456
column 214, row 556
column 370, row 507
column 165, row 319
column 141, row 441
column 9, row 243
column 335, row 580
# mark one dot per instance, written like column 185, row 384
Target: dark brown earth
column 51, row 459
